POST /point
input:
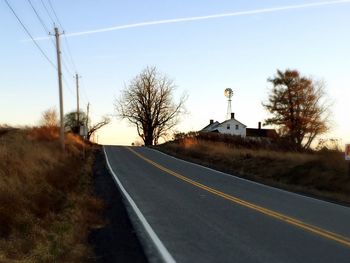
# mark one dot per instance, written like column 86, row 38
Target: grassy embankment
column 322, row 174
column 46, row 206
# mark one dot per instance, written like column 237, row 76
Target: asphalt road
column 201, row 215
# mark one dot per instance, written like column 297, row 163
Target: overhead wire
column 68, row 85
column 68, row 69
column 35, row 42
column 47, row 11
column 46, row 30
column 30, row 35
column 65, row 38
column 70, row 53
column 65, row 66
column 70, row 56
column 68, row 49
column 38, row 16
column 84, row 90
column 55, row 14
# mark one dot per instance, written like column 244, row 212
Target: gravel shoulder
column 117, row 240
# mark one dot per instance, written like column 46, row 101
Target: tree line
column 72, row 123
column 297, row 105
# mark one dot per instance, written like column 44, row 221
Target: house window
column 237, row 126
column 228, row 126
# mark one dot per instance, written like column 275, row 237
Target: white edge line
column 250, row 181
column 166, row 256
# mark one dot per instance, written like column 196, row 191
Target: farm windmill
column 228, row 94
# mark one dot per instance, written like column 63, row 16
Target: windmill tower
column 228, row 94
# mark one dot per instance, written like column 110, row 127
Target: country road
column 201, row 215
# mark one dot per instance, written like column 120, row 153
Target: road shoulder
column 117, row 240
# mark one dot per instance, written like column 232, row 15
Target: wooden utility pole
column 78, row 113
column 87, row 120
column 59, row 71
column 87, row 115
column 347, row 157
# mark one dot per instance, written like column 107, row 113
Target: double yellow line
column 311, row 228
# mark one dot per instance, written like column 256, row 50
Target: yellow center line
column 311, row 228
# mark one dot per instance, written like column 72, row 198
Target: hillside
column 320, row 174
column 47, row 209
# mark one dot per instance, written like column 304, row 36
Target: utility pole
column 87, row 119
column 59, row 70
column 87, row 115
column 78, row 113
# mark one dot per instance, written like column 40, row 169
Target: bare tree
column 71, row 123
column 49, row 118
column 105, row 120
column 298, row 107
column 147, row 102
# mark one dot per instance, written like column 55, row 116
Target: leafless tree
column 105, row 120
column 298, row 107
column 71, row 123
column 147, row 102
column 49, row 118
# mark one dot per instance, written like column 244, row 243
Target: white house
column 231, row 126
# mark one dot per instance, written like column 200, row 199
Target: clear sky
column 202, row 56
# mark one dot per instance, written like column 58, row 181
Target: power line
column 36, row 44
column 84, row 89
column 65, row 38
column 30, row 35
column 47, row 31
column 55, row 14
column 67, row 68
column 69, row 52
column 47, row 11
column 68, row 49
column 39, row 17
column 68, row 85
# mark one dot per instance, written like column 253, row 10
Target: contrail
column 197, row 18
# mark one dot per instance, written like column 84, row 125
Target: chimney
column 259, row 125
column 211, row 121
column 232, row 115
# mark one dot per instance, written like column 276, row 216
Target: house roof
column 211, row 127
column 234, row 120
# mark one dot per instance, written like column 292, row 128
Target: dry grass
column 46, row 207
column 322, row 174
